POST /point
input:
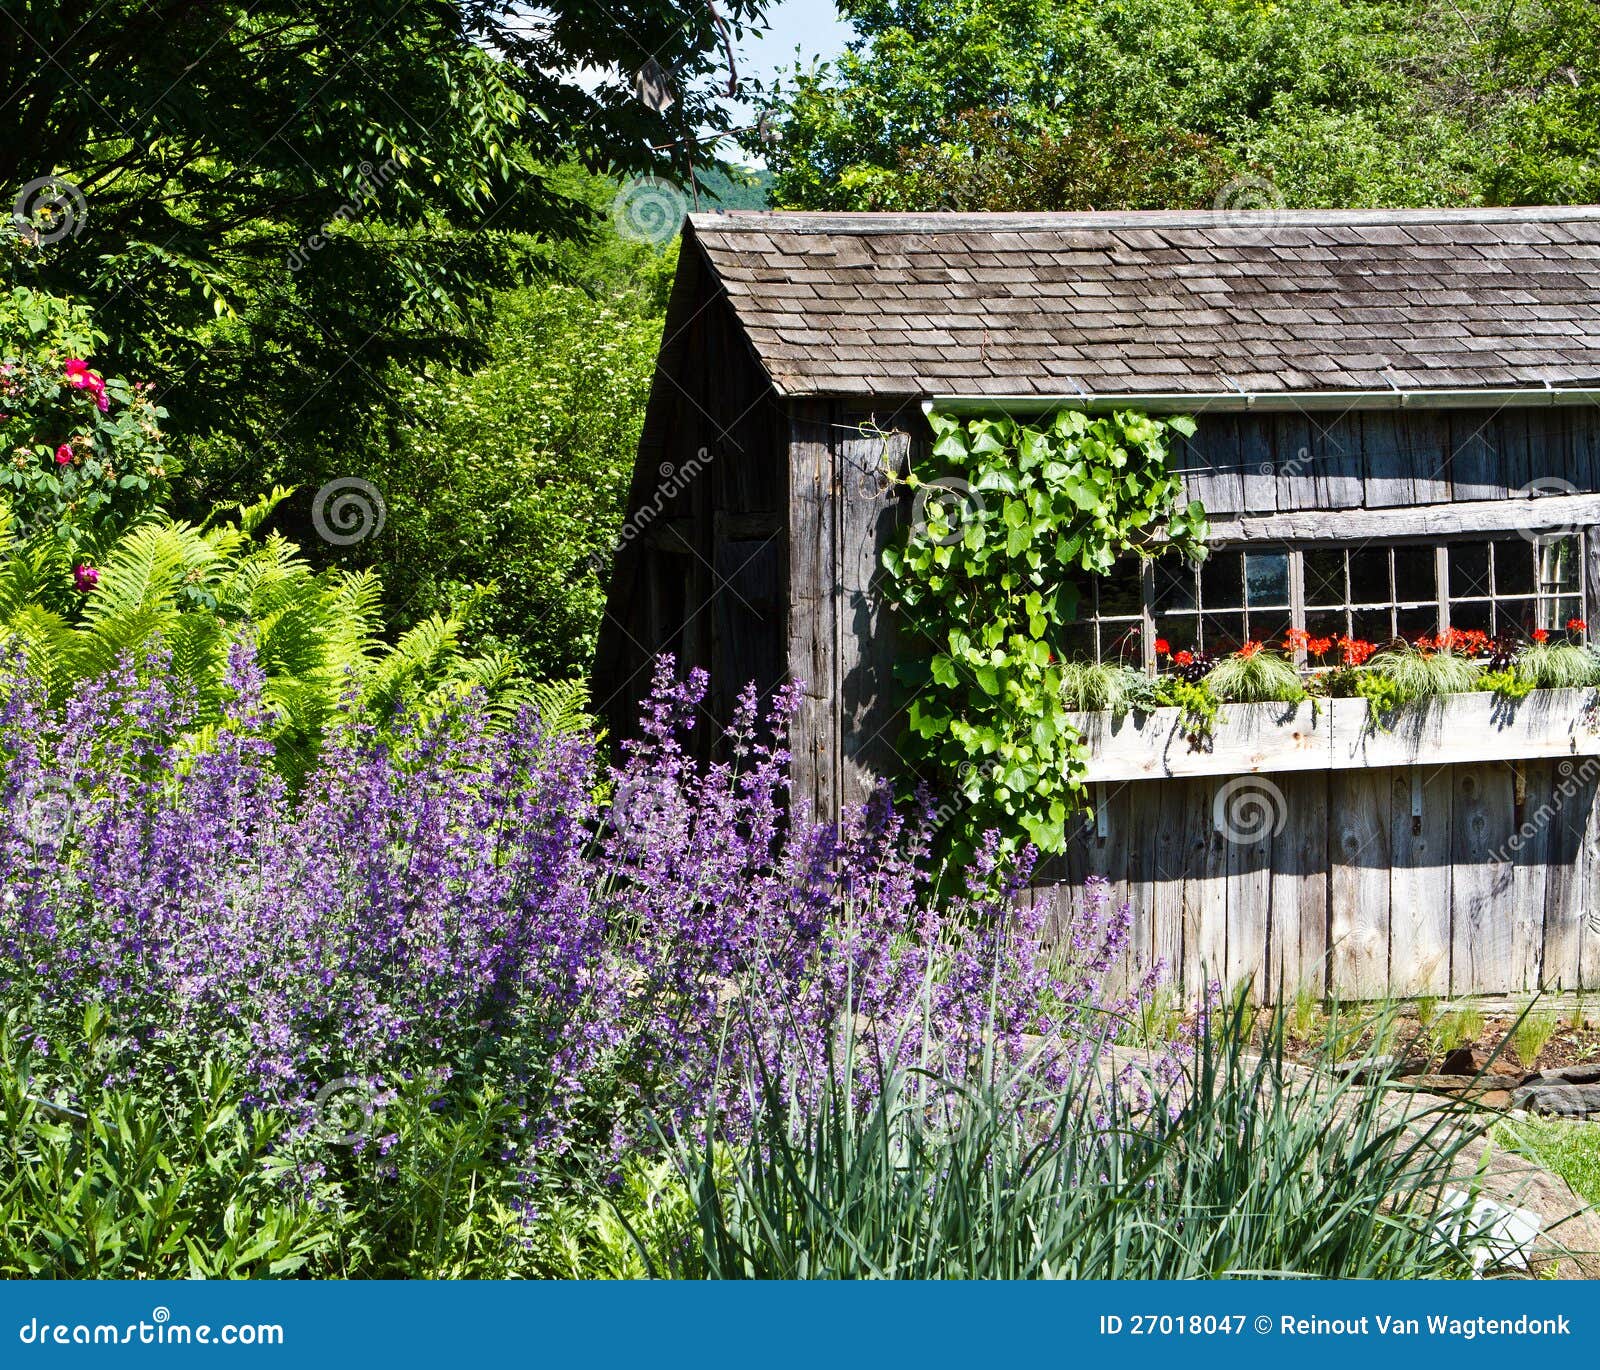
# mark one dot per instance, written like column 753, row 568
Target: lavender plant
column 445, row 902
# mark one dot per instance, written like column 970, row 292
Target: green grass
column 1559, row 666
column 1532, row 1034
column 1259, row 679
column 1570, row 1149
column 1419, row 675
column 1247, row 1169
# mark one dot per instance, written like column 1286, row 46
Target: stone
column 1475, row 1061
column 1494, row 1234
column 1563, row 1101
column 1489, row 1092
column 1363, row 1070
column 1588, row 1074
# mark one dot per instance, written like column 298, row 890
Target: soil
column 1569, row 1046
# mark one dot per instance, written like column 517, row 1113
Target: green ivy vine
column 1008, row 518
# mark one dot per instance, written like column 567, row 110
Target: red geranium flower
column 1577, row 625
column 1163, row 647
column 1183, row 658
column 1540, row 634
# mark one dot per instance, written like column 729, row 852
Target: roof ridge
column 831, row 221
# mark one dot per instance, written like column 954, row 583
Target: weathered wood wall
column 1466, row 879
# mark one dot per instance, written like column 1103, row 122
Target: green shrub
column 1422, row 675
column 1092, row 687
column 101, row 1182
column 199, row 590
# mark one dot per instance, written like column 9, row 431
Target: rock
column 1564, row 1101
column 1492, row 1233
column 1476, row 1061
column 1566, row 1075
column 1491, row 1091
column 1363, row 1070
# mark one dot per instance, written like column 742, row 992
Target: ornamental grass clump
column 1256, row 675
column 1241, row 1166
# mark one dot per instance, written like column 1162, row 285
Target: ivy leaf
column 942, row 669
column 1182, row 423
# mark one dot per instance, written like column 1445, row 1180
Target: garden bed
column 1342, row 734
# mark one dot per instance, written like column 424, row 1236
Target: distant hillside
column 719, row 192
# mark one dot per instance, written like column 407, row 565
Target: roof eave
column 1269, row 401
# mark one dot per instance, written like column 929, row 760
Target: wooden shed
column 1399, row 432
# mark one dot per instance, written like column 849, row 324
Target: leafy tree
column 1049, row 104
column 288, row 206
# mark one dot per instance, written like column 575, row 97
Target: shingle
column 939, row 304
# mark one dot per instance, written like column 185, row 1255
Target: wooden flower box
column 1340, row 734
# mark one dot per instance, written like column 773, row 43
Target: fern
column 198, row 590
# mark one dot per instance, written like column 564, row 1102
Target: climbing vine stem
column 1008, row 522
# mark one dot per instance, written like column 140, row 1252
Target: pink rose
column 63, row 455
column 84, row 579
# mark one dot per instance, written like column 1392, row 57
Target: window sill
column 1338, row 734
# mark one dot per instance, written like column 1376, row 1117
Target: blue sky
column 813, row 26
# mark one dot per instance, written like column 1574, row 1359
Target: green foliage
column 1089, row 687
column 1261, row 1171
column 1034, row 104
column 1558, row 666
column 1570, row 1149
column 1010, row 517
column 1509, row 684
column 1460, row 1028
column 299, row 203
column 518, row 471
column 1257, row 679
column 1531, row 1033
column 1303, row 1011
column 102, row 1182
column 1197, row 709
column 1400, row 674
column 199, row 590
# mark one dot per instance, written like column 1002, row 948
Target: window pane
column 1223, row 632
column 1515, row 617
column 1121, row 594
column 1369, row 576
column 1326, row 623
column 1413, row 574
column 1174, row 584
column 1266, row 579
column 1222, row 581
column 1467, row 616
column 1372, row 625
column 1415, row 623
column 1122, row 642
column 1179, row 631
column 1557, row 613
column 1469, row 569
column 1513, row 567
column 1077, row 642
column 1558, row 563
column 1324, row 572
column 1268, row 625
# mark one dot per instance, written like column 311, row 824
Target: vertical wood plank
column 1391, row 472
column 1359, row 827
column 1167, row 867
column 1205, row 903
column 1419, row 882
column 1210, row 462
column 1254, row 812
column 1476, row 470
column 1291, row 441
column 1529, row 848
column 1480, row 889
column 1571, row 893
column 1337, row 466
column 813, row 610
column 1257, row 457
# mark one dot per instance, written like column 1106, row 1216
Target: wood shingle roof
column 1188, row 302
